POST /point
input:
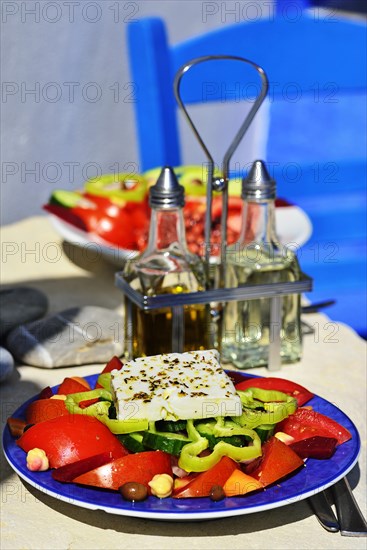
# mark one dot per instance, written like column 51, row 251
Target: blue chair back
column 316, row 146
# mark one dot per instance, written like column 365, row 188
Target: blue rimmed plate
column 317, row 476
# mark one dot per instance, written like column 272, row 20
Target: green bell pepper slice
column 261, row 396
column 104, row 380
column 191, row 462
column 227, row 428
column 100, row 411
column 276, row 406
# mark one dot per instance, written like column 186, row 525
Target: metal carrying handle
column 228, row 155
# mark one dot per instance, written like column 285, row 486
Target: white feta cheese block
column 174, row 386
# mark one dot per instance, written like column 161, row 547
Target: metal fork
column 351, row 521
column 324, row 512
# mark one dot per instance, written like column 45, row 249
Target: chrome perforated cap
column 258, row 184
column 167, row 192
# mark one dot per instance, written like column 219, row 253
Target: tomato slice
column 46, row 393
column 286, row 386
column 16, row 426
column 306, row 423
column 67, row 473
column 116, row 231
column 82, row 381
column 102, row 204
column 240, row 483
column 235, row 205
column 202, row 484
column 278, row 460
column 45, row 409
column 138, row 467
column 140, row 214
column 113, row 364
column 71, row 385
column 88, row 217
column 67, row 215
column 69, row 438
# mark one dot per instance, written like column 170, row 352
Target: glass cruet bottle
column 166, row 267
column 259, row 258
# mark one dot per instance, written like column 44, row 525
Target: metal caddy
column 177, row 302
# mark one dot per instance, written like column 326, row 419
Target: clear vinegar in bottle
column 258, row 258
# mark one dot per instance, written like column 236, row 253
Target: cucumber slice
column 165, row 441
column 172, row 426
column 235, row 440
column 68, row 199
column 127, row 187
column 207, row 429
column 265, row 431
column 133, row 442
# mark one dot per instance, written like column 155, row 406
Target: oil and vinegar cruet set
column 246, row 304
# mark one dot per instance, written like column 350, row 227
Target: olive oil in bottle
column 259, row 258
column 166, row 267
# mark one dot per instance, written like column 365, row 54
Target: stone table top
column 333, row 366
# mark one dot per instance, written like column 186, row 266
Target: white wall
column 66, row 88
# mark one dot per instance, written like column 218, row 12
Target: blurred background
column 68, row 100
column 68, row 96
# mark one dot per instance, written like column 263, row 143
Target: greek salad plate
column 317, row 476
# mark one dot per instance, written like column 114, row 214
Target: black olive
column 133, row 491
column 217, row 493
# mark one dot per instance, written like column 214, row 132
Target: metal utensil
column 324, row 513
column 220, row 184
column 306, row 328
column 314, row 308
column 351, row 521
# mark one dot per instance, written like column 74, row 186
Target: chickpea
column 133, row 491
column 37, row 460
column 161, row 485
